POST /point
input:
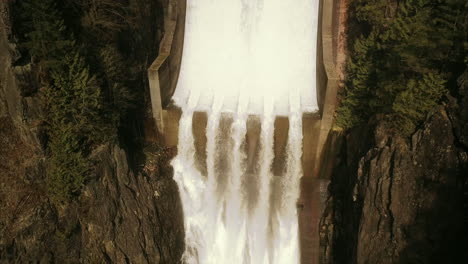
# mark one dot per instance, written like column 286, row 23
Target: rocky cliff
column 401, row 200
column 123, row 215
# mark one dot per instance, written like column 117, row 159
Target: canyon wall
column 401, row 200
column 123, row 215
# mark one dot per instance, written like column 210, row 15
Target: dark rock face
column 395, row 200
column 122, row 216
column 128, row 217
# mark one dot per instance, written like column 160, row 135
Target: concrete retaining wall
column 164, row 71
column 327, row 79
column 313, row 187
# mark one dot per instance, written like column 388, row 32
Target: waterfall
column 224, row 223
column 245, row 63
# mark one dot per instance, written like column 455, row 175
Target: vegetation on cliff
column 403, row 57
column 80, row 48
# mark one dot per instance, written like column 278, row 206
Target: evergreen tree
column 76, row 114
column 121, row 96
column 67, row 166
column 47, row 39
column 412, row 105
column 402, row 56
column 75, row 97
column 75, row 123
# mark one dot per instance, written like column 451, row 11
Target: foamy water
column 244, row 58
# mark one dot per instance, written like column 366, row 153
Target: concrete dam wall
column 164, row 74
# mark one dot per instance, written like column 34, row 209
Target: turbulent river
column 245, row 62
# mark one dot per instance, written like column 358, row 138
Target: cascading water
column 245, row 62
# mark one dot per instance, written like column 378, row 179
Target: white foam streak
column 288, row 240
column 259, row 221
column 191, row 189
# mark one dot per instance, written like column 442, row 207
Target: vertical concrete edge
column 331, row 83
column 165, row 47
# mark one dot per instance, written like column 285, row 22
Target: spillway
column 244, row 63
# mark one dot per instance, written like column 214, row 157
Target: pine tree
column 402, row 58
column 67, row 166
column 412, row 105
column 75, row 97
column 76, row 122
column 121, row 96
column 47, row 39
column 77, row 116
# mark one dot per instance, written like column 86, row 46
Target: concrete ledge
column 327, row 78
column 312, row 186
column 164, row 71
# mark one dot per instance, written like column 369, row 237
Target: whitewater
column 244, row 63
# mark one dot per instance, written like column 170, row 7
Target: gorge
column 208, row 132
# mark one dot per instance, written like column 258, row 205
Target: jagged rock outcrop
column 124, row 215
column 398, row 200
column 128, row 217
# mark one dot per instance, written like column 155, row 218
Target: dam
column 248, row 101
